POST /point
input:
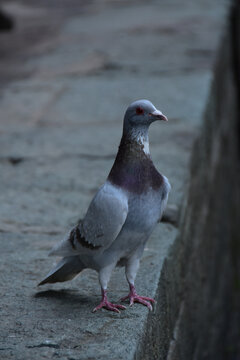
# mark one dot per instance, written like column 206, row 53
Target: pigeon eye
column 139, row 110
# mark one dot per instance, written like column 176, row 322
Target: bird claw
column 142, row 300
column 135, row 298
column 109, row 306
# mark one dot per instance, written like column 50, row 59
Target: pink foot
column 107, row 305
column 134, row 297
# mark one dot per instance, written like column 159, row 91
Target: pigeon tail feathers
column 66, row 269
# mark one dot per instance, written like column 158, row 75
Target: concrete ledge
column 55, row 152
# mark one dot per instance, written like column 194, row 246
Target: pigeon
column 122, row 214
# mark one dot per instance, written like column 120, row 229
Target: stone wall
column 200, row 308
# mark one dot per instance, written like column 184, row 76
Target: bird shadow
column 64, row 296
column 67, row 304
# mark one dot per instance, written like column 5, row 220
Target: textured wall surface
column 208, row 249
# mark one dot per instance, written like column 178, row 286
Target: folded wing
column 100, row 227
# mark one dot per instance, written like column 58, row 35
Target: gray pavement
column 60, row 126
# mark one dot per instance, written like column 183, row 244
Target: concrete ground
column 68, row 71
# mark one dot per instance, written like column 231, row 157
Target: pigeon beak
column 158, row 115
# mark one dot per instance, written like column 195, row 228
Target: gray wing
column 100, row 227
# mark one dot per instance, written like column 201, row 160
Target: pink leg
column 134, row 297
column 107, row 305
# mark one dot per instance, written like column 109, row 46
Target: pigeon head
column 140, row 114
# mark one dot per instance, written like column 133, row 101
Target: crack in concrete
column 29, row 230
column 50, row 345
column 15, row 160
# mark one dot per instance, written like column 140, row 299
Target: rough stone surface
column 208, row 250
column 68, row 73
